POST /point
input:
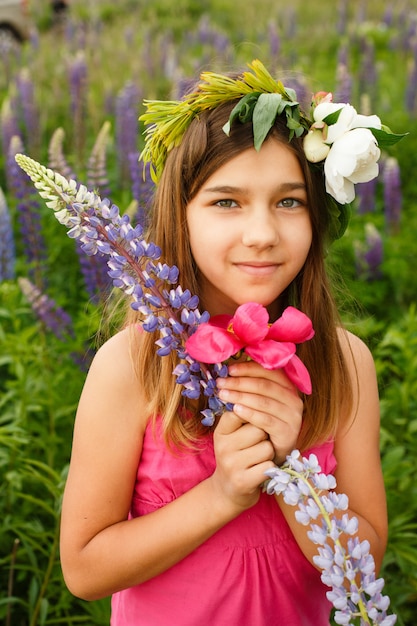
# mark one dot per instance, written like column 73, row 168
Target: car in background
column 14, row 22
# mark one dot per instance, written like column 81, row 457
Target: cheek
column 204, row 235
column 195, row 236
column 301, row 234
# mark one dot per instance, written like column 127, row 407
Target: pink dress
column 249, row 573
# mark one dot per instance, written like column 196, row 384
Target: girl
column 170, row 516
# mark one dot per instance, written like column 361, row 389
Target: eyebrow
column 230, row 189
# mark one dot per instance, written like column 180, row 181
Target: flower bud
column 315, row 148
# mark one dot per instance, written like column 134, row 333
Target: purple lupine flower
column 204, row 30
column 349, row 572
column 135, row 268
column 57, row 160
column 369, row 255
column 208, row 36
column 183, row 86
column 342, row 55
column 78, row 74
column 291, row 26
column 9, row 125
column 29, row 109
column 221, row 42
column 342, row 13
column 366, row 194
column 411, row 88
column 95, row 274
column 7, row 247
column 408, row 29
column 392, row 194
column 127, row 127
column 97, row 176
column 361, row 13
column 274, row 40
column 93, row 269
column 343, row 91
column 168, row 57
column 29, row 216
column 368, row 75
column 143, row 189
column 52, row 316
column 388, row 16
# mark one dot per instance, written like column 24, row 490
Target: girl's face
column 250, row 230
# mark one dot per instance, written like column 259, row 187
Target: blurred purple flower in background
column 52, row 316
column 342, row 16
column 411, row 85
column 127, row 128
column 57, row 159
column 29, row 110
column 7, row 247
column 366, row 195
column 97, row 176
column 392, row 194
column 77, row 75
column 274, row 40
column 9, row 126
column 369, row 254
column 29, row 216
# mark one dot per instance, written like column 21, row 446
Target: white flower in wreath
column 349, row 148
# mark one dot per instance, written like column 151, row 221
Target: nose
column 260, row 229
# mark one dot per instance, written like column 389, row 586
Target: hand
column 243, row 454
column 266, row 399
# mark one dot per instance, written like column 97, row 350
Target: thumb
column 229, row 423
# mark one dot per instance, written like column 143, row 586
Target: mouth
column 256, row 268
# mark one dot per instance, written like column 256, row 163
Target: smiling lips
column 256, row 268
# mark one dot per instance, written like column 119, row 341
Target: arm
column 101, row 551
column 358, row 473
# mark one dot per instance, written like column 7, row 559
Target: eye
column 291, row 203
column 226, row 204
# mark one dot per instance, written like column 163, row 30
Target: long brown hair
column 204, row 148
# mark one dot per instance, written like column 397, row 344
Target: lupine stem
column 326, row 517
column 138, row 271
column 301, row 482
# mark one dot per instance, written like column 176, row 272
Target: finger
column 261, row 452
column 238, row 389
column 254, row 371
column 228, row 423
column 269, row 415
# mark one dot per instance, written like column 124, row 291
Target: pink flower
column 273, row 346
column 321, row 96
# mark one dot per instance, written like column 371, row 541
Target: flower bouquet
column 172, row 313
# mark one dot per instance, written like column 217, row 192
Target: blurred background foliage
column 70, row 97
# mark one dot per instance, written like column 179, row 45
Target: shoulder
column 112, row 382
column 120, row 344
column 355, row 351
column 116, row 358
column 361, row 368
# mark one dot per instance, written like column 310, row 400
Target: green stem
column 11, row 581
column 46, row 577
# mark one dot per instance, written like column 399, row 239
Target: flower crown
column 345, row 143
